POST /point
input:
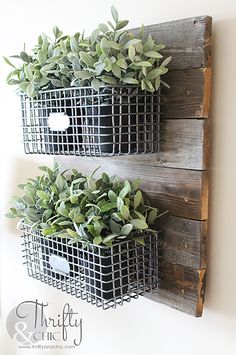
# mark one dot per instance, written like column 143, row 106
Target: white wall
column 142, row 326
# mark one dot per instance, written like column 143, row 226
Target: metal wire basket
column 103, row 276
column 81, row 121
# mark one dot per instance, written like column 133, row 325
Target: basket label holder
column 58, row 121
column 59, row 264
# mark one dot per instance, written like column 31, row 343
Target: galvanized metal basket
column 103, row 276
column 81, row 121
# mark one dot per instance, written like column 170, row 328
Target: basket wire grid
column 113, row 121
column 103, row 276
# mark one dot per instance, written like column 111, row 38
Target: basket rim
column 21, row 94
column 103, row 247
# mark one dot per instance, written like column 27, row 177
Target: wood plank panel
column 184, row 241
column 183, row 145
column 181, row 287
column 188, row 41
column 177, row 190
column 189, row 94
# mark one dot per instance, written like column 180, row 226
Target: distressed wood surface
column 189, row 93
column 177, row 190
column 181, row 287
column 176, row 178
column 188, row 41
column 184, row 241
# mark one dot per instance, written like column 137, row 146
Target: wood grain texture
column 188, row 41
column 183, row 145
column 177, row 190
column 181, row 287
column 189, row 93
column 176, row 178
column 184, row 241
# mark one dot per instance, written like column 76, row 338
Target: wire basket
column 103, row 276
column 81, row 121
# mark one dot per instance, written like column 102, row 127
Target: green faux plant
column 50, row 65
column 84, row 209
column 110, row 56
column 116, row 57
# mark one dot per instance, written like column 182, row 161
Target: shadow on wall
column 221, row 286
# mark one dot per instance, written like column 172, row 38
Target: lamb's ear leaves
column 8, row 62
column 114, row 13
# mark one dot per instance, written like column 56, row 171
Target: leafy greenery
column 84, row 209
column 111, row 55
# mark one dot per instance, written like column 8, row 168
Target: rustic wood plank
column 177, row 190
column 188, row 41
column 184, row 241
column 183, row 145
column 181, row 287
column 189, row 93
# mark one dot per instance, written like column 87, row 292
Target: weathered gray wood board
column 176, row 178
column 179, row 191
column 184, row 241
column 181, row 287
column 187, row 41
column 189, row 93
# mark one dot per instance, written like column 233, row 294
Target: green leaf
column 125, row 212
column 41, row 57
column 116, row 70
column 104, row 28
column 42, row 195
column 72, row 233
column 152, row 216
column 137, row 199
column 131, row 53
column 135, row 184
column 132, row 42
column 83, row 74
column 87, row 58
column 79, row 218
column 153, row 54
column 112, row 196
column 24, row 56
column 60, row 183
column 96, row 84
column 97, row 227
column 31, row 90
column 139, row 240
column 109, row 79
column 157, row 83
column 166, row 62
column 10, row 215
column 130, row 81
column 49, row 231
column 138, row 224
column 94, row 35
column 153, row 74
column 62, row 210
column 109, row 238
column 122, row 63
column 126, row 189
column 8, row 62
column 97, row 240
column 46, row 215
column 143, row 64
column 126, row 229
column 99, row 67
column 74, row 44
column 28, row 200
column 108, row 206
column 121, row 24
column 114, row 45
column 114, row 13
column 115, row 227
column 119, row 203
